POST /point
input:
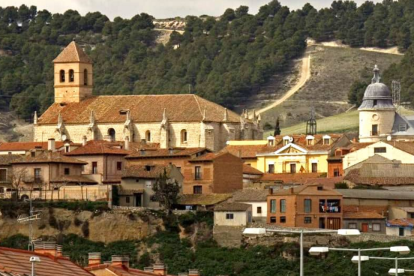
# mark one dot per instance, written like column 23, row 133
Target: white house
column 400, row 227
column 257, row 199
column 232, row 214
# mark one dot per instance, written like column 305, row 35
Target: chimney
column 84, row 140
column 291, row 190
column 193, row 272
column 94, row 258
column 119, row 260
column 126, row 144
column 47, row 248
column 160, row 269
column 51, row 144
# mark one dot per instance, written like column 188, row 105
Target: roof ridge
column 198, row 104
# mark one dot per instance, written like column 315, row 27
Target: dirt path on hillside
column 305, row 74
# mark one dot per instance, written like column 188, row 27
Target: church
column 378, row 116
column 172, row 121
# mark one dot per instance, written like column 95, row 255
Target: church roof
column 142, row 108
column 72, row 53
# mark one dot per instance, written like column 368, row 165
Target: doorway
column 364, row 227
column 138, row 200
column 334, row 223
column 322, row 223
column 401, row 232
column 292, row 168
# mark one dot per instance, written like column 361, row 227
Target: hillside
column 333, row 71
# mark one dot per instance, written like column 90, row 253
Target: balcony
column 329, row 206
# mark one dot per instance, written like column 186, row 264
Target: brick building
column 170, row 120
column 310, row 206
column 204, row 172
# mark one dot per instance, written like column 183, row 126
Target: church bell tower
column 73, row 75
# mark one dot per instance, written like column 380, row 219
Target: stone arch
column 112, row 133
column 71, row 75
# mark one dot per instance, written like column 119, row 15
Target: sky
column 158, row 8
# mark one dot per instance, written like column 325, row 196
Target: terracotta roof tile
column 73, row 179
column 203, row 199
column 327, row 182
column 7, row 159
column 105, row 147
column 120, row 270
column 72, row 53
column 401, row 222
column 404, row 146
column 250, row 170
column 17, row 262
column 26, row 146
column 143, row 108
column 167, row 153
column 291, row 178
column 362, row 215
column 149, row 172
column 306, row 190
column 250, row 195
column 246, row 151
column 232, row 206
column 49, row 157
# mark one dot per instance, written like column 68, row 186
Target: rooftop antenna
column 32, row 217
column 311, row 126
column 396, row 94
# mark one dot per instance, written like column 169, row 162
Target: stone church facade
column 180, row 120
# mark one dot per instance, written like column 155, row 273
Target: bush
column 341, row 185
column 77, row 222
column 85, row 229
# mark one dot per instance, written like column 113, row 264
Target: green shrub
column 85, row 229
column 341, row 185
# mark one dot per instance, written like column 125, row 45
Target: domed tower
column 73, row 75
column 377, row 112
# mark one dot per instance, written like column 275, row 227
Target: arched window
column 62, row 75
column 111, row 132
column 184, row 136
column 71, row 75
column 148, row 136
column 85, row 77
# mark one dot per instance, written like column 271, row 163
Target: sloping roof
column 208, row 156
column 17, row 261
column 289, row 177
column 407, row 209
column 203, row 199
column 167, row 153
column 245, row 151
column 327, row 182
column 232, row 206
column 250, row 195
column 149, row 172
column 7, row 159
column 25, row 146
column 250, row 170
column 49, row 157
column 408, row 147
column 379, row 209
column 306, row 190
column 120, row 270
column 401, row 222
column 362, row 215
column 143, row 109
column 72, row 53
column 376, row 194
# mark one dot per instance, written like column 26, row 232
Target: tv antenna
column 33, row 216
column 311, row 126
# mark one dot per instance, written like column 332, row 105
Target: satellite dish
column 291, row 139
column 64, row 137
column 389, row 138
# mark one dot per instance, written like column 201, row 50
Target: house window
column 322, row 206
column 292, row 168
column 326, row 141
column 336, row 172
column 37, row 174
column 127, row 200
column 259, row 210
column 308, row 205
column 271, row 168
column 272, row 219
column 273, row 206
column 283, row 205
column 402, row 127
column 282, row 219
column 271, row 142
column 352, row 226
column 230, row 216
column 197, row 173
column 3, row 175
column 119, row 166
column 67, row 148
column 309, row 142
column 62, row 75
column 71, row 75
column 374, row 131
column 197, row 190
column 375, row 102
column 67, row 171
column 85, row 77
column 376, row 227
column 111, row 133
column 308, row 220
column 148, row 136
column 411, row 215
column 314, row 167
column 184, row 136
column 380, row 150
column 94, row 167
column 285, row 142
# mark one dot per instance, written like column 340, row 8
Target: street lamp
column 343, row 232
column 359, row 259
column 396, row 270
